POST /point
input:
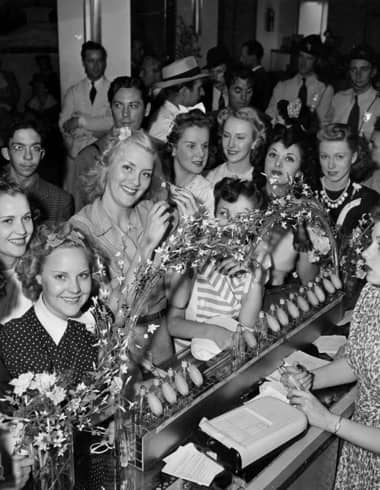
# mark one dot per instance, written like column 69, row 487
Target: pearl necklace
column 334, row 203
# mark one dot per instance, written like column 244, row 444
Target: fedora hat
column 311, row 44
column 180, row 71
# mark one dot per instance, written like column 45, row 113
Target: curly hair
column 9, row 187
column 363, row 167
column 230, row 189
column 94, row 180
column 294, row 135
column 193, row 118
column 260, row 130
column 44, row 242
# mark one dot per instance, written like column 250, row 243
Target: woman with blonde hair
column 243, row 135
column 127, row 228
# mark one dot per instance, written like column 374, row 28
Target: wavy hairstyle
column 230, row 189
column 49, row 238
column 363, row 166
column 294, row 135
column 193, row 118
column 95, row 179
column 260, row 130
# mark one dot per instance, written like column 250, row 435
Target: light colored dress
column 360, row 468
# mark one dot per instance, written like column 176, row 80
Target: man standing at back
column 359, row 106
column 251, row 55
column 305, row 85
column 86, row 115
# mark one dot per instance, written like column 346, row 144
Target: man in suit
column 216, row 91
column 251, row 55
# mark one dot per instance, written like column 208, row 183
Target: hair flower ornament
column 125, row 132
column 294, row 108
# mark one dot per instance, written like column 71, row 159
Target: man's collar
column 257, row 67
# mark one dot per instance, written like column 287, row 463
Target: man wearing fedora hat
column 358, row 106
column 216, row 91
column 182, row 89
column 305, row 84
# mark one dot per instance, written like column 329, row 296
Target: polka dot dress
column 26, row 346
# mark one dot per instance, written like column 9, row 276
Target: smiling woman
column 16, row 228
column 126, row 228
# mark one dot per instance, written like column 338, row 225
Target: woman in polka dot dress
column 359, row 465
column 54, row 335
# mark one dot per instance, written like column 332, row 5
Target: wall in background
column 115, row 37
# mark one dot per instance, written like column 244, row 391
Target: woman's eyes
column 28, row 217
column 322, row 156
column 84, row 275
column 147, row 175
column 340, row 156
column 290, row 159
column 272, row 154
column 7, row 221
column 127, row 168
column 60, row 277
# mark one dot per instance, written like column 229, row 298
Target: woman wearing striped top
column 220, row 290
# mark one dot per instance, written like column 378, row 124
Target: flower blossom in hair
column 125, row 132
column 294, row 108
column 56, row 239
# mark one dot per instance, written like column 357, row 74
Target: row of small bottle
column 165, row 392
column 292, row 308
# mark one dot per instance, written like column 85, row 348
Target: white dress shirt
column 369, row 105
column 319, row 95
column 94, row 119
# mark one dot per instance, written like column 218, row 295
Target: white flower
column 57, row 395
column 152, row 328
column 116, row 385
column 43, row 382
column 22, row 383
column 320, row 241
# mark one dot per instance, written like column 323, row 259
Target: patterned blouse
column 25, row 346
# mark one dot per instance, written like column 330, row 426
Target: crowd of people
column 144, row 151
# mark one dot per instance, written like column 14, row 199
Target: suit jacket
column 261, row 88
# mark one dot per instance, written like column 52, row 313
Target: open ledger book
column 256, row 428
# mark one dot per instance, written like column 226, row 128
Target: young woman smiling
column 127, row 229
column 188, row 143
column 16, row 228
column 243, row 141
column 345, row 199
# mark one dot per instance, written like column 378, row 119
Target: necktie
column 302, row 94
column 221, row 102
column 353, row 118
column 92, row 92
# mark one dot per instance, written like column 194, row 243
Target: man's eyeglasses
column 20, row 148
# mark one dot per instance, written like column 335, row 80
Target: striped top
column 215, row 295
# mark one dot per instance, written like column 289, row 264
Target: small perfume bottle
column 320, row 294
column 293, row 309
column 311, row 296
column 335, row 279
column 154, row 398
column 195, row 375
column 181, row 383
column 281, row 314
column 168, row 388
column 249, row 337
column 238, row 347
column 327, row 284
column 301, row 300
column 261, row 327
column 272, row 321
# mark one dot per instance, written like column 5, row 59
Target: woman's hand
column 21, row 466
column 158, row 220
column 299, row 374
column 317, row 414
column 221, row 336
column 185, row 201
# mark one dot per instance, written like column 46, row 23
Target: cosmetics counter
column 168, row 410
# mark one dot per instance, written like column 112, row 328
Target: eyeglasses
column 20, row 148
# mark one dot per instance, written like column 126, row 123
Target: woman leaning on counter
column 359, row 465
